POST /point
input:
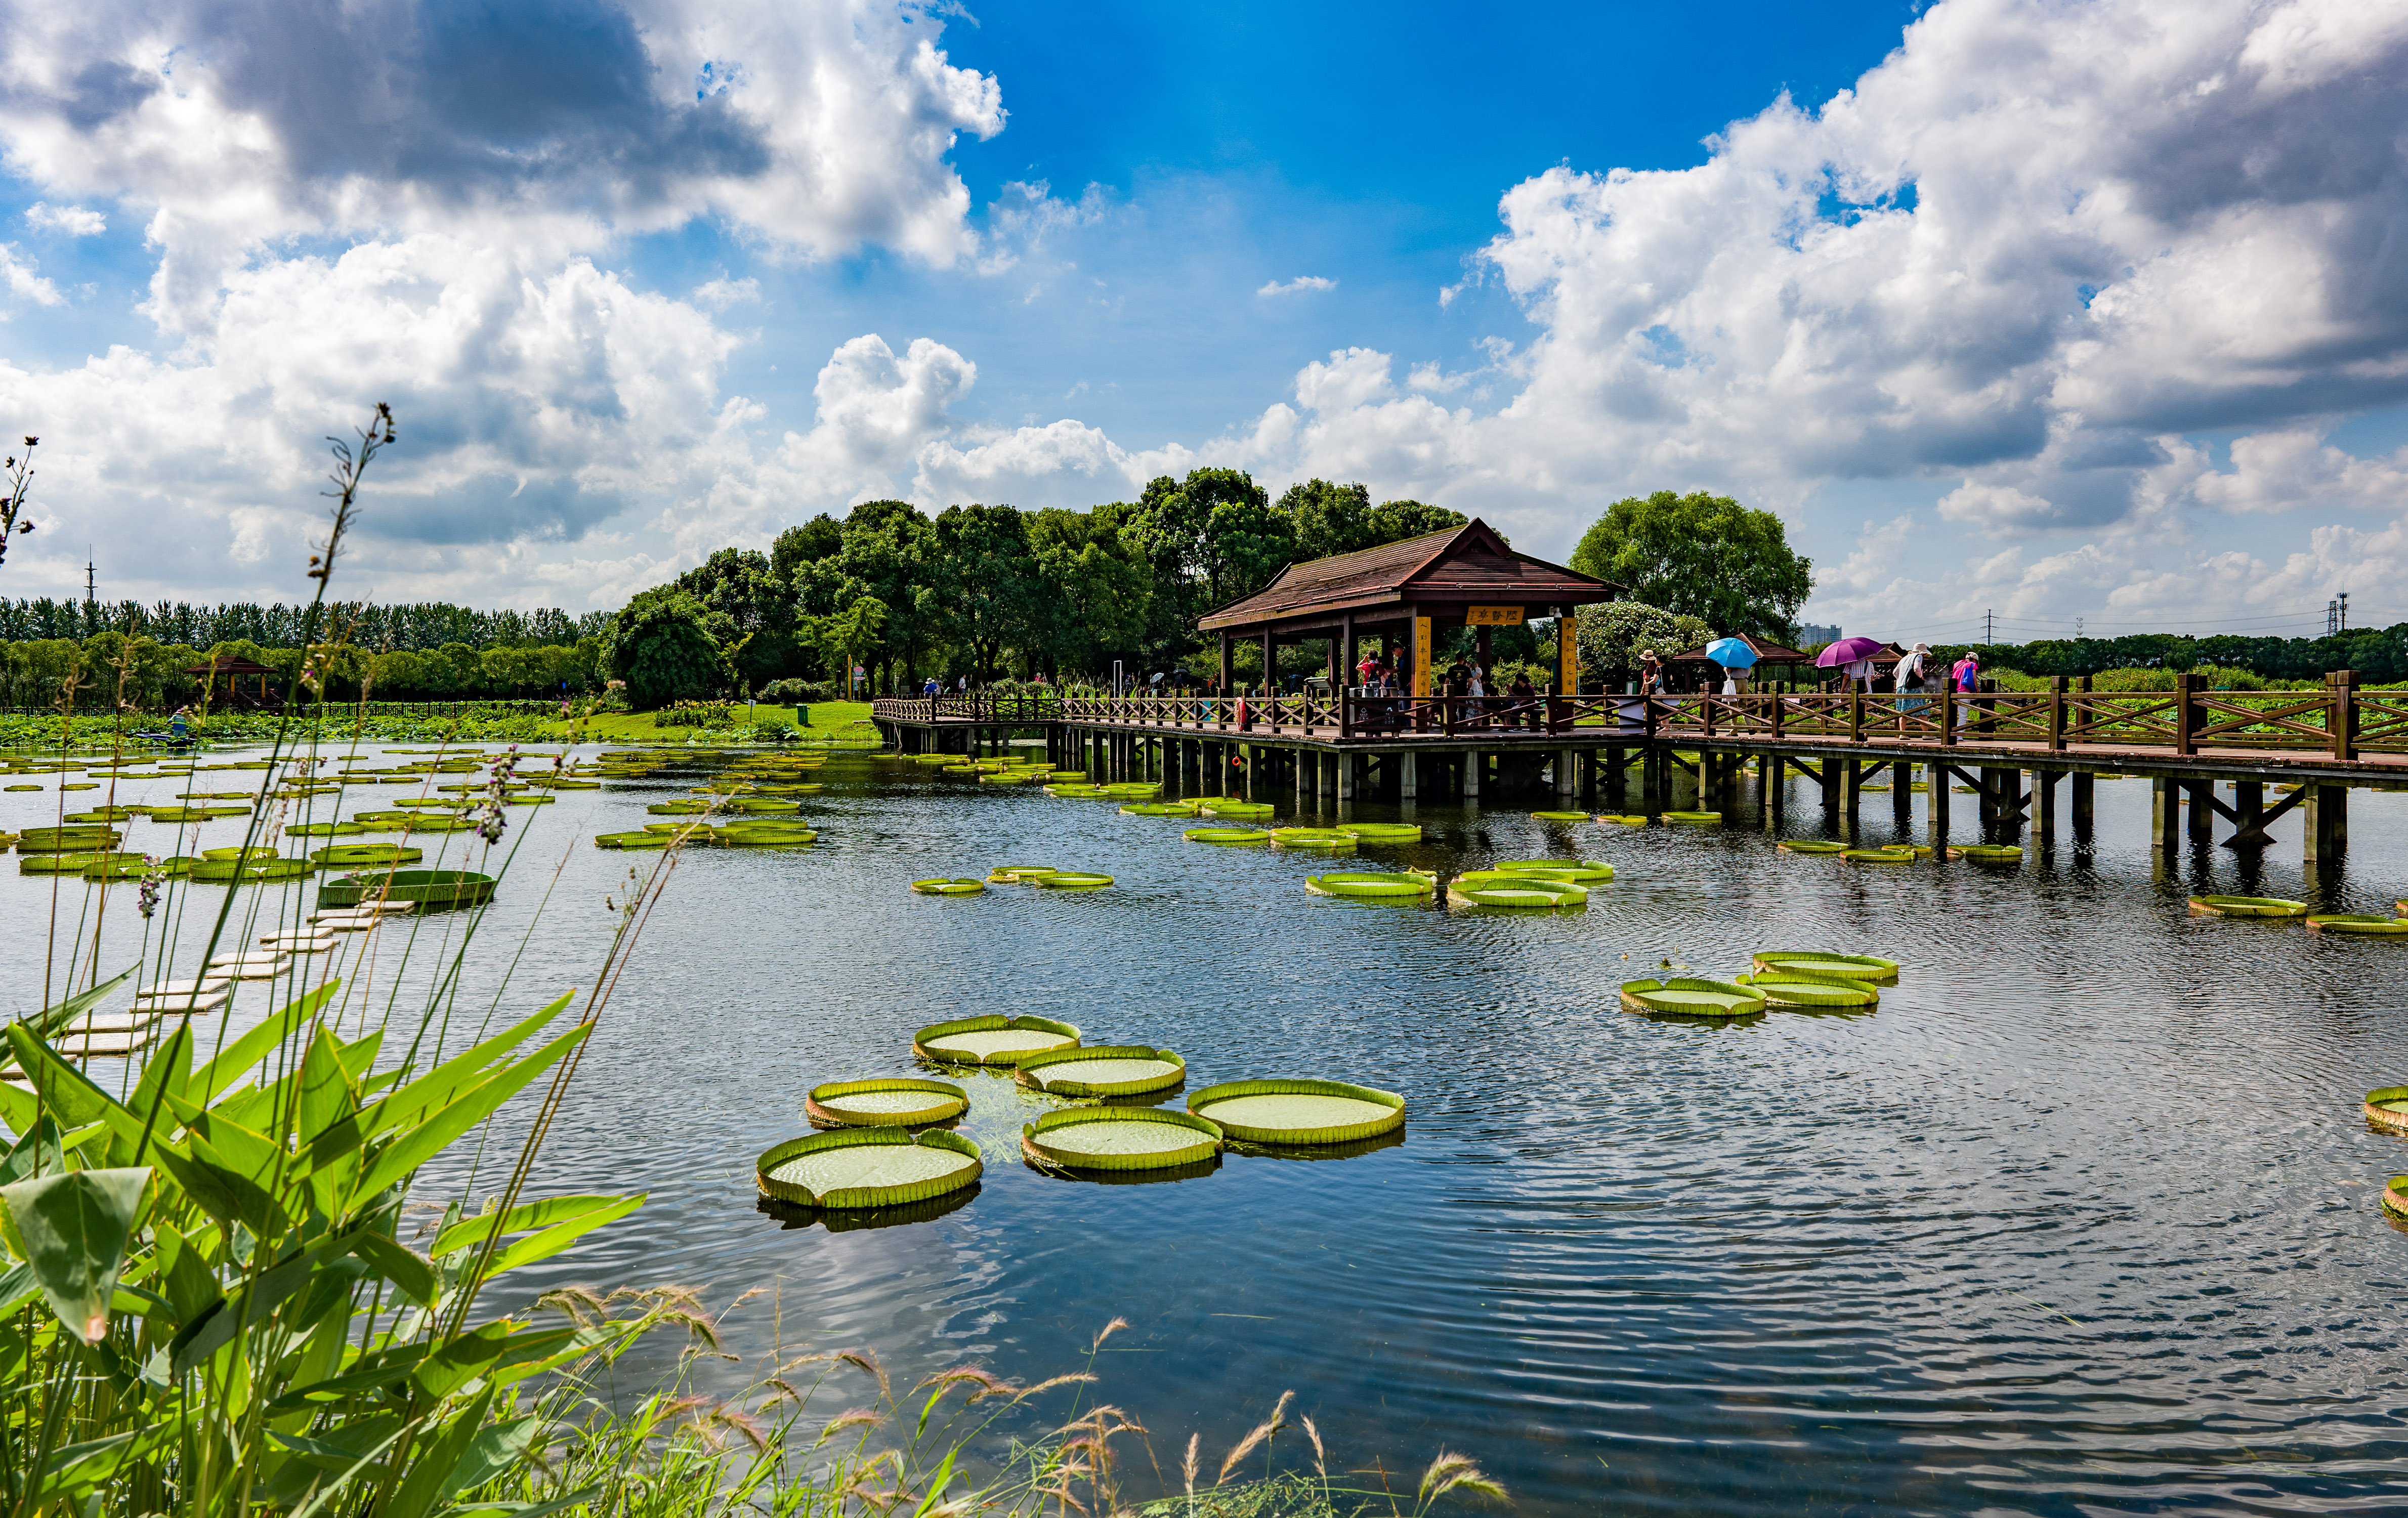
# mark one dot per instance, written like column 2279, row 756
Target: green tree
column 1329, row 518
column 1393, row 521
column 887, row 548
column 1611, row 636
column 752, row 611
column 821, row 537
column 1703, row 556
column 982, row 561
column 843, row 636
column 659, row 647
column 1092, row 592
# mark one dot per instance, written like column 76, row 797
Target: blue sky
column 2064, row 310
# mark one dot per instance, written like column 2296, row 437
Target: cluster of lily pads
column 2282, row 909
column 757, row 790
column 883, row 1143
column 1802, row 978
column 1043, row 877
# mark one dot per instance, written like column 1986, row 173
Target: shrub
column 695, row 714
column 791, row 690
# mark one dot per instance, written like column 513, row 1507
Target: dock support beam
column 2325, row 837
column 1345, row 776
column 1617, row 779
column 1471, row 776
column 1407, row 777
column 2081, row 789
column 2044, row 797
column 2203, row 812
column 1566, row 775
column 1849, row 792
column 2165, row 815
column 1937, row 792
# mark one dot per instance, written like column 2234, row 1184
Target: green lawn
column 829, row 718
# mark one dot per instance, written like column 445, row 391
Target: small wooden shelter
column 227, row 672
column 1768, row 655
column 1404, row 593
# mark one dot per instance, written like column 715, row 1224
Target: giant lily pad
column 1813, row 965
column 351, row 855
column 961, row 886
column 1371, row 885
column 1227, row 835
column 2385, row 928
column 644, row 840
column 431, row 888
column 1695, row 819
column 1488, row 888
column 1693, row 996
column 1786, row 990
column 1383, row 832
column 1298, row 1111
column 1103, row 1070
column 1240, row 809
column 1578, row 871
column 1325, row 838
column 2395, row 1196
column 1019, row 874
column 1120, row 1138
column 1070, row 880
column 1561, row 816
column 1625, row 819
column 1988, row 853
column 2388, row 1106
column 2247, row 907
column 991, row 1041
column 1880, row 856
column 1811, row 846
column 853, row 1168
column 886, row 1102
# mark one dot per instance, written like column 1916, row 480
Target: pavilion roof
column 232, row 664
column 1461, row 566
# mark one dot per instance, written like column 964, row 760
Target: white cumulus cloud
column 1301, row 284
column 68, row 221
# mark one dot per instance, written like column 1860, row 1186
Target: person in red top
column 1968, row 671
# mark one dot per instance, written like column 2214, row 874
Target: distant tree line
column 423, row 624
column 2380, row 656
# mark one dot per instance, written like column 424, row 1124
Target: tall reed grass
column 228, row 1292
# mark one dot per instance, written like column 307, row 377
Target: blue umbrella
column 1731, row 652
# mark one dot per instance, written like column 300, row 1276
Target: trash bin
column 802, row 716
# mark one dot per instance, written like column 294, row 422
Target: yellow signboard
column 1421, row 656
column 1569, row 661
column 1494, row 616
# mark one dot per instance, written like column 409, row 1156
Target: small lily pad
column 991, row 1041
column 1693, row 996
column 1103, row 1070
column 886, row 1102
column 1120, row 1138
column 1280, row 1111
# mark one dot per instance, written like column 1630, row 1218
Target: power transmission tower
column 90, row 584
column 1989, row 627
column 2077, row 629
column 2344, row 610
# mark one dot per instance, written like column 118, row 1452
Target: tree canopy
column 1704, row 556
column 659, row 647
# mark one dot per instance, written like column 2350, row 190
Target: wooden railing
column 2339, row 721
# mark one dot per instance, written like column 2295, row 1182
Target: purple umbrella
column 1848, row 650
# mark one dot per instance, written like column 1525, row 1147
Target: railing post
column 2056, row 714
column 2186, row 717
column 1779, row 703
column 1856, row 713
column 1345, row 712
column 1947, row 724
column 2344, row 722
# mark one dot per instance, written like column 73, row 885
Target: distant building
column 1811, row 635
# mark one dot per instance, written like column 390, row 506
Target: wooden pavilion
column 1404, row 593
column 227, row 672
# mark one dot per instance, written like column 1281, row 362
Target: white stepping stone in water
column 299, row 943
column 154, row 1003
column 248, row 967
column 184, row 984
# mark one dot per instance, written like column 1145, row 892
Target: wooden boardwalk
column 2317, row 744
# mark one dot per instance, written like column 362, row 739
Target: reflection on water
column 2083, row 1218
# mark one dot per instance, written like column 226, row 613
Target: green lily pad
column 1489, row 888
column 884, row 1102
column 1988, row 853
column 1783, row 990
column 2247, row 907
column 1561, row 816
column 1695, row 819
column 1371, row 885
column 958, row 887
column 1120, row 1138
column 991, row 1041
column 1383, row 832
column 1578, row 871
column 643, row 839
column 1811, row 846
column 2388, row 1107
column 1070, row 880
column 2381, row 927
column 858, row 1168
column 1281, row 1111
column 1102, row 1070
column 1227, row 835
column 1329, row 839
column 1812, row 964
column 1693, row 996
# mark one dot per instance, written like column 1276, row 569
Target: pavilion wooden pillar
column 1270, row 662
column 1228, row 665
column 1345, row 653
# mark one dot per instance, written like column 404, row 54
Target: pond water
column 2082, row 1219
